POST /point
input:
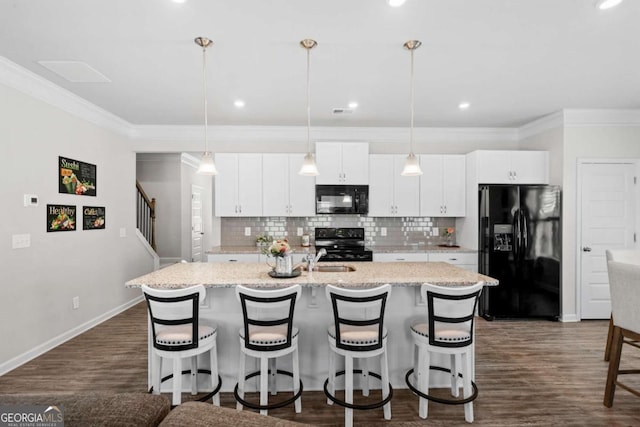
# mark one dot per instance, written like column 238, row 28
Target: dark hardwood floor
column 529, row 373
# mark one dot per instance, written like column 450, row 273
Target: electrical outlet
column 299, row 231
column 76, row 303
column 383, row 231
column 436, row 232
column 247, row 231
column 30, row 200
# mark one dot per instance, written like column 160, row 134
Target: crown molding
column 541, row 125
column 23, row 80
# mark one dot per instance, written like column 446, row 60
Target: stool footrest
column 200, row 371
column 270, row 406
column 344, row 404
column 446, row 401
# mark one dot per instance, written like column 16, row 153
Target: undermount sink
column 331, row 268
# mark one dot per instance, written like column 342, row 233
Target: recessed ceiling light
column 607, row 4
column 353, row 105
column 396, row 3
column 239, row 103
column 464, row 105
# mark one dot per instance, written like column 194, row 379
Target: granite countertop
column 376, row 249
column 366, row 275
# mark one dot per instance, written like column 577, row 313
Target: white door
column 197, row 229
column 607, row 215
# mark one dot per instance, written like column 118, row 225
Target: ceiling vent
column 341, row 111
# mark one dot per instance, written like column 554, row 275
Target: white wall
column 37, row 284
column 586, row 142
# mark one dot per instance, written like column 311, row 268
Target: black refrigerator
column 520, row 245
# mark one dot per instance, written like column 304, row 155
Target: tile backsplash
column 380, row 231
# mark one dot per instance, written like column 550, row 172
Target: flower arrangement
column 279, row 248
column 263, row 239
column 449, row 232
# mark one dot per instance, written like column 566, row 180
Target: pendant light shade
column 412, row 165
column 207, row 166
column 309, row 167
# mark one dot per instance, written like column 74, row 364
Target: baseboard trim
column 569, row 318
column 62, row 338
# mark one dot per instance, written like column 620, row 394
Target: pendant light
column 207, row 166
column 309, row 167
column 411, row 166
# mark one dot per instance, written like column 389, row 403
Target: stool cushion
column 181, row 334
column 263, row 335
column 450, row 333
column 357, row 334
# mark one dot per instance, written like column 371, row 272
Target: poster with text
column 61, row 218
column 76, row 177
column 93, row 217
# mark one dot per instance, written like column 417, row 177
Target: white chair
column 268, row 333
column 449, row 330
column 177, row 333
column 624, row 283
column 628, row 256
column 358, row 332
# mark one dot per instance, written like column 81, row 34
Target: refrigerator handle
column 525, row 233
column 516, row 233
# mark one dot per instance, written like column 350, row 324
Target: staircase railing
column 146, row 216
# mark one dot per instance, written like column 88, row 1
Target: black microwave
column 342, row 199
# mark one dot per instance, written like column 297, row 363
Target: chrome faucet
column 311, row 261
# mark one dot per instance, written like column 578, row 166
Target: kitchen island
column 313, row 311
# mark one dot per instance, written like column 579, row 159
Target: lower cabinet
column 233, row 257
column 466, row 260
column 401, row 257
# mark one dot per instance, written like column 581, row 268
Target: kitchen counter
column 376, row 249
column 366, row 275
column 313, row 312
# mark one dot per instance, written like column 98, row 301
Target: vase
column 284, row 265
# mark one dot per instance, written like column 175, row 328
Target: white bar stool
column 358, row 332
column 449, row 330
column 178, row 333
column 268, row 333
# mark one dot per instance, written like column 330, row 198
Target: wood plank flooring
column 534, row 373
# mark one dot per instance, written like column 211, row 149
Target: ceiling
column 514, row 61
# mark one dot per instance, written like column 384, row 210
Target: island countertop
column 366, row 275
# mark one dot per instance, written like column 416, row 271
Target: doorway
column 607, row 221
column 197, row 230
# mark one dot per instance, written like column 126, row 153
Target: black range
column 342, row 244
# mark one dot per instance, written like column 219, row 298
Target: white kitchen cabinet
column 233, row 257
column 466, row 260
column 238, row 185
column 345, row 163
column 400, row 257
column 284, row 191
column 442, row 185
column 512, row 167
column 391, row 194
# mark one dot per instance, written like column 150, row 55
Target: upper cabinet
column 238, row 185
column 342, row 163
column 513, row 167
column 284, row 191
column 391, row 194
column 442, row 185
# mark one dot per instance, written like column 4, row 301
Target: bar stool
column 179, row 333
column 449, row 330
column 358, row 332
column 625, row 300
column 628, row 256
column 268, row 333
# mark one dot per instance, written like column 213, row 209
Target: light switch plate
column 299, row 231
column 30, row 200
column 436, row 232
column 19, row 241
column 383, row 231
column 247, row 231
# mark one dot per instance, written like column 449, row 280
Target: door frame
column 201, row 190
column 578, row 243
